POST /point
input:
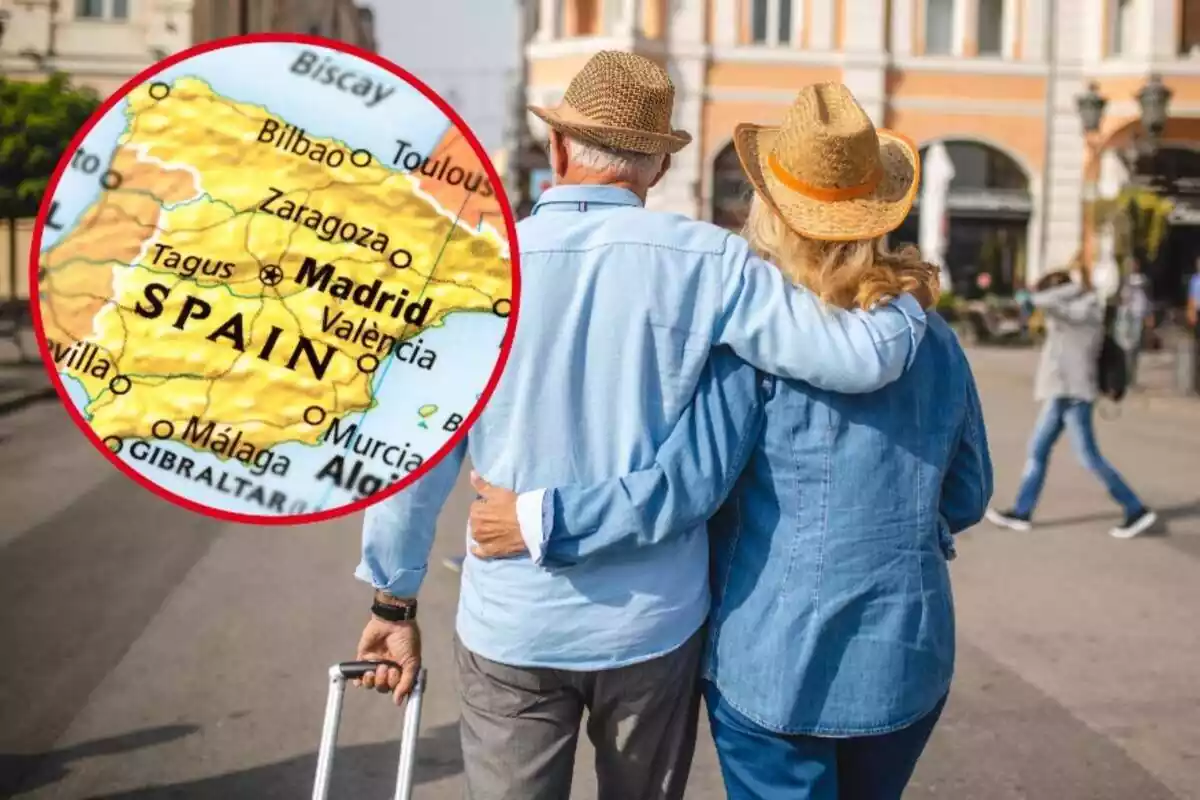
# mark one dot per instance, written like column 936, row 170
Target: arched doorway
column 988, row 210
column 1171, row 172
column 731, row 192
column 1180, row 256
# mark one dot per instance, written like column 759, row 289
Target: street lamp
column 1153, row 101
column 1091, row 108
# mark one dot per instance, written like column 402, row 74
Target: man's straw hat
column 826, row 171
column 620, row 101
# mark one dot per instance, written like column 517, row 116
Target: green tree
column 37, row 121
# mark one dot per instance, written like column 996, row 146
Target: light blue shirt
column 619, row 309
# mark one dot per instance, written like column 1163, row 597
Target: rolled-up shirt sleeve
column 692, row 473
column 398, row 532
column 535, row 528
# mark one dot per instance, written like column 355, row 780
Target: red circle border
column 514, row 260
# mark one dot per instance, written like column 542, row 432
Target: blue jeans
column 1075, row 415
column 759, row 764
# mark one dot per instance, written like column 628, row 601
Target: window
column 785, row 21
column 989, row 32
column 939, row 27
column 758, row 21
column 978, row 166
column 587, row 17
column 1121, row 42
column 102, row 9
column 771, row 21
column 1189, row 28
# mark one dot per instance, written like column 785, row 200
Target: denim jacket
column 832, row 611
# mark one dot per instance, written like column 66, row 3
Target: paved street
column 22, row 377
column 151, row 653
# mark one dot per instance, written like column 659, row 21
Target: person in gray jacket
column 1133, row 316
column 1068, row 385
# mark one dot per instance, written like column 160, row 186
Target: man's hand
column 494, row 525
column 391, row 641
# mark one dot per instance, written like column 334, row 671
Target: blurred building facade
column 993, row 82
column 103, row 43
column 343, row 20
column 99, row 43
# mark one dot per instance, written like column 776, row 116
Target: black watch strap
column 393, row 613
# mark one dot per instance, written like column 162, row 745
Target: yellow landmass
column 78, row 272
column 165, row 273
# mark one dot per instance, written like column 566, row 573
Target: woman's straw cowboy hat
column 620, row 101
column 826, row 171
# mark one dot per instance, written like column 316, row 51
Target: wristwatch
column 394, row 609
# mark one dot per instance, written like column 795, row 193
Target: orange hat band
column 825, row 194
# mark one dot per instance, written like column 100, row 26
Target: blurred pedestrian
column 1193, row 301
column 1021, row 297
column 1068, row 385
column 1133, row 317
column 1193, row 298
column 1193, row 322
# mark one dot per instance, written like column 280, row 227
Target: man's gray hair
column 638, row 168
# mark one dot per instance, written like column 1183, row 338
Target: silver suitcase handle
column 351, row 670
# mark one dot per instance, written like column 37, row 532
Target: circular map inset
column 274, row 279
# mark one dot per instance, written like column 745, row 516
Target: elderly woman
column 831, row 640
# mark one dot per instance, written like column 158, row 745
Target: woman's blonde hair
column 843, row 274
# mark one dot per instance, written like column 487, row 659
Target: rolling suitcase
column 350, row 670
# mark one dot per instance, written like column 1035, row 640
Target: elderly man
column 620, row 307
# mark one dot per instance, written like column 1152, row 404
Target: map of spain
column 252, row 301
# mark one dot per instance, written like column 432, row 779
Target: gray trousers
column 520, row 726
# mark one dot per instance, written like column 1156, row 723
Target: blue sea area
column 78, row 394
column 467, row 346
column 260, row 74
